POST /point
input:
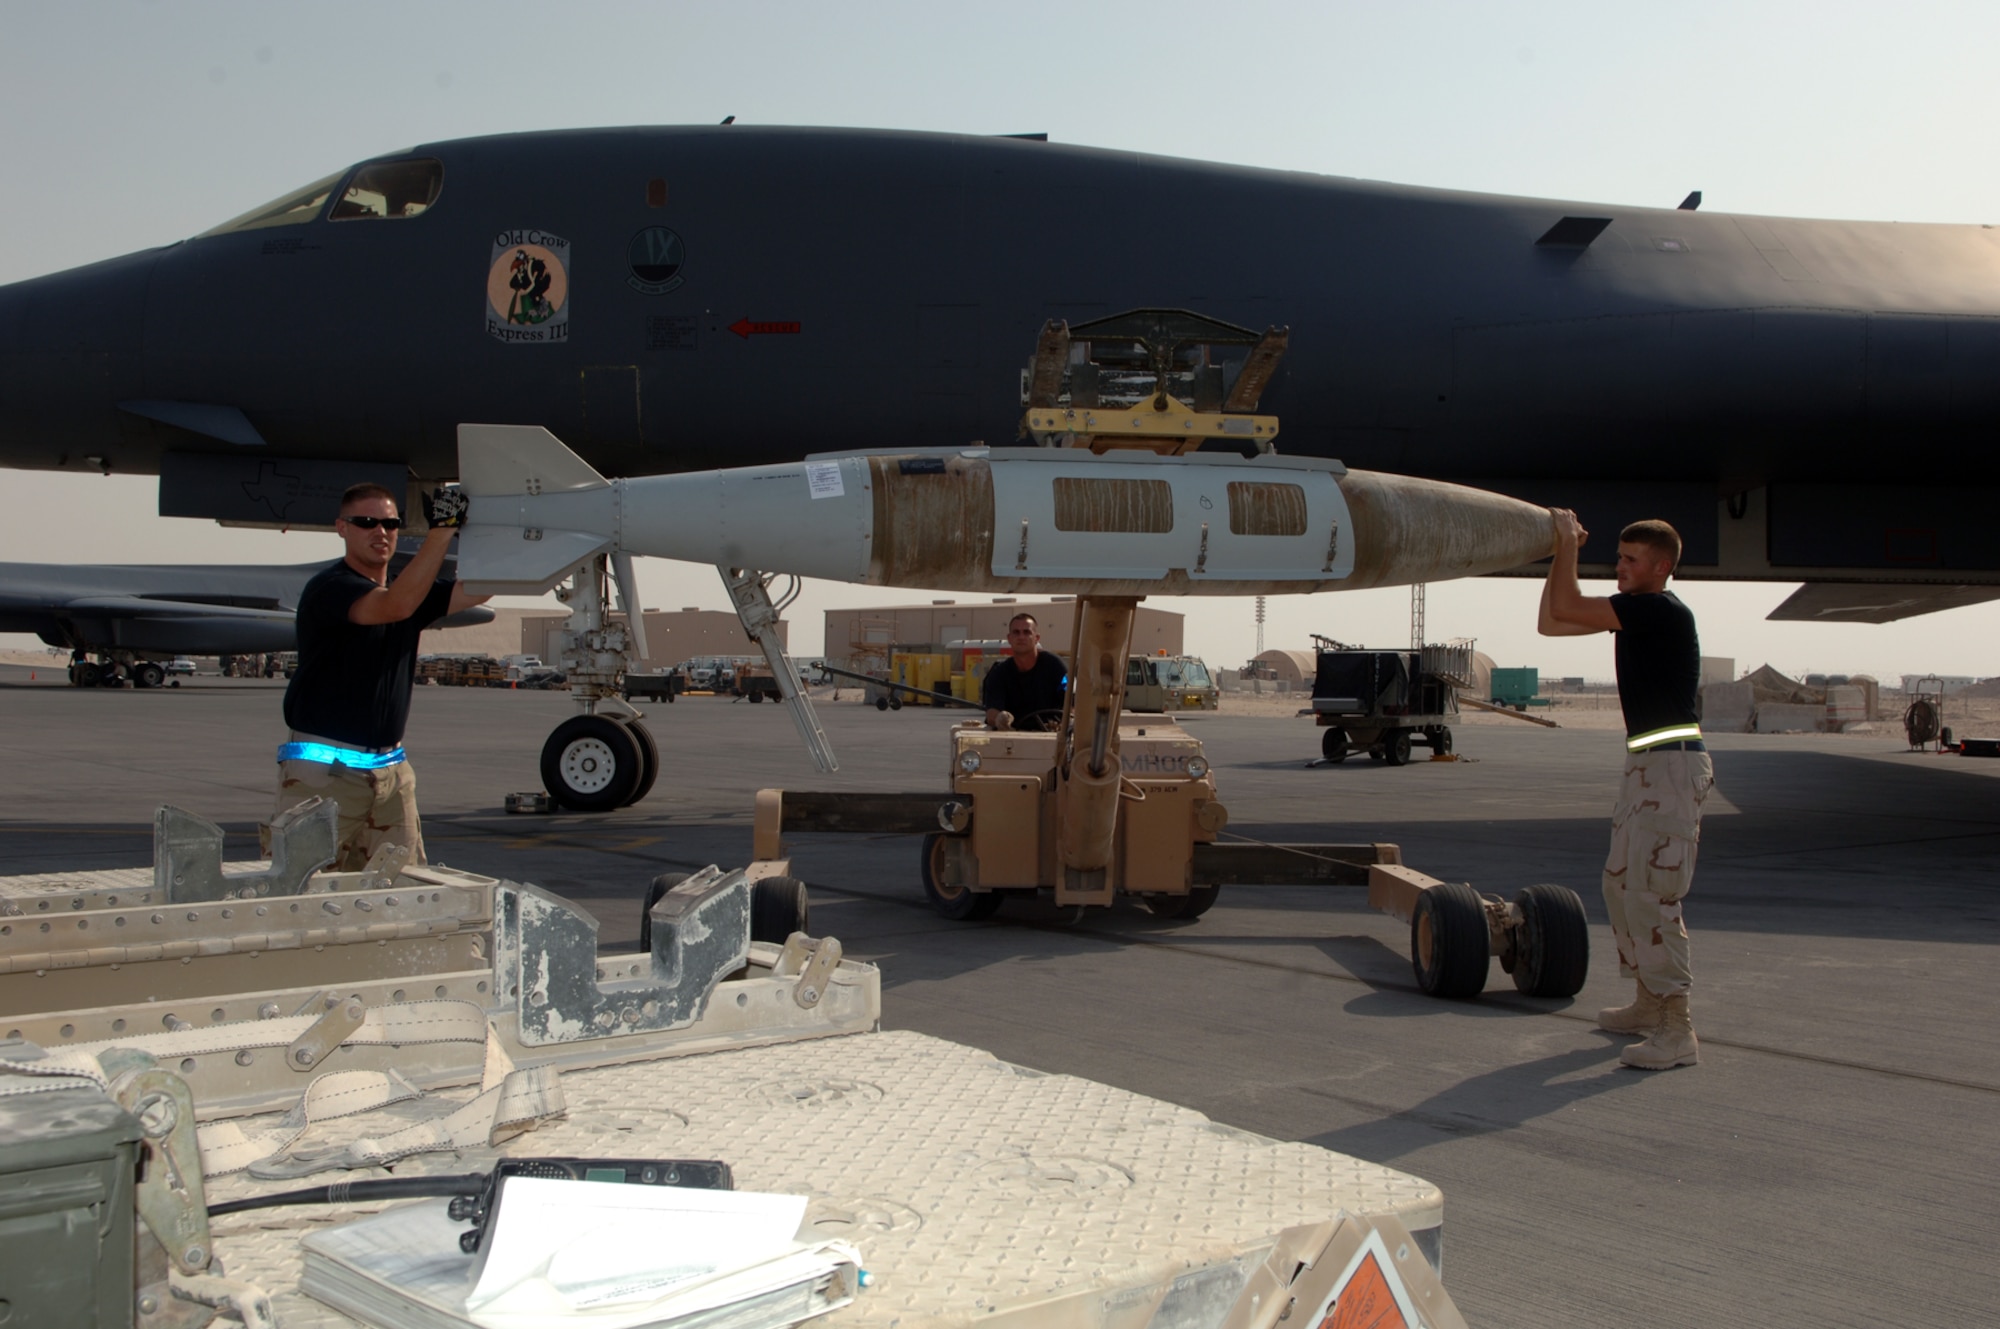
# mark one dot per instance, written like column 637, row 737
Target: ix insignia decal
column 656, row 255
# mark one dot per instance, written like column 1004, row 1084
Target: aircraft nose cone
column 70, row 350
column 1408, row 530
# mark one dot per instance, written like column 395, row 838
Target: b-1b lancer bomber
column 670, row 299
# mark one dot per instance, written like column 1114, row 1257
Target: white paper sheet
column 564, row 1247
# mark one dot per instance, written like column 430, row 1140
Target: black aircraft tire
column 1396, row 747
column 649, row 757
column 1552, row 945
column 661, row 884
column 959, row 904
column 1185, row 908
column 1333, row 744
column 778, row 908
column 1448, row 944
column 147, row 674
column 591, row 763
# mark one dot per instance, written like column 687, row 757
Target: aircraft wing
column 164, row 610
column 1876, row 602
column 139, row 606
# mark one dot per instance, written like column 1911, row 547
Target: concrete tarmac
column 1831, row 1162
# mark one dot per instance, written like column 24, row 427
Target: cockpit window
column 390, row 189
column 299, row 206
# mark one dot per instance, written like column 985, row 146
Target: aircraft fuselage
column 735, row 295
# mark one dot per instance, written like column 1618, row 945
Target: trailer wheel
column 961, row 904
column 649, row 760
column 1448, row 944
column 1552, row 944
column 660, row 885
column 1333, row 744
column 591, row 763
column 1198, row 901
column 1396, row 747
column 881, row 703
column 778, row 908
column 1440, row 738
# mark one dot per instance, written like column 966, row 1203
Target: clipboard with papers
column 579, row 1253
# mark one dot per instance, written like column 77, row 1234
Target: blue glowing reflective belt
column 332, row 756
column 1680, row 733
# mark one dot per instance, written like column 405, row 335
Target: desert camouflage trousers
column 375, row 807
column 1655, row 830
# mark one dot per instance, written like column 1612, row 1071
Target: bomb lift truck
column 1103, row 802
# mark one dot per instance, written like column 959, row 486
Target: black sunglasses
column 370, row 523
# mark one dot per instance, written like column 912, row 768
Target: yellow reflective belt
column 1671, row 734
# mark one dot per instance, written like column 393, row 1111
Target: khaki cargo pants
column 375, row 808
column 1655, row 830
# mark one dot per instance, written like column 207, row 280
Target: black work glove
column 446, row 509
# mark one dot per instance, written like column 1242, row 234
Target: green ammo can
column 68, row 1166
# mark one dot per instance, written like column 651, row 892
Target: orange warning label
column 1365, row 1301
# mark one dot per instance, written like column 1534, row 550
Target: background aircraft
column 672, row 298
column 119, row 621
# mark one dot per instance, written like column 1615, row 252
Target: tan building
column 672, row 637
column 863, row 637
column 499, row 638
column 1297, row 668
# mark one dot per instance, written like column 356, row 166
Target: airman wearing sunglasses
column 350, row 699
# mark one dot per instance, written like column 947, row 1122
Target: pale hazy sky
column 134, row 124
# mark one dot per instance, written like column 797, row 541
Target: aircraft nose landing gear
column 605, row 758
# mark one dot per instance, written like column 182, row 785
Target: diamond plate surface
column 971, row 1186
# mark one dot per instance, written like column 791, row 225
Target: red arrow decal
column 746, row 328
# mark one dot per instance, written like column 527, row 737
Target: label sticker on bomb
column 823, row 479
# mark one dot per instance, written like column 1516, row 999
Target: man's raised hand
column 446, row 509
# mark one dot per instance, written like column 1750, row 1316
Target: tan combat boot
column 1641, row 1017
column 1671, row 1044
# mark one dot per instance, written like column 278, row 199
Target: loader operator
column 1656, row 823
column 350, row 699
column 1025, row 690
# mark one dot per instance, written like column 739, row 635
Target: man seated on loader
column 1026, row 690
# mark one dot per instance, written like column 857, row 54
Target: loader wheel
column 778, row 908
column 1333, row 744
column 649, row 760
column 881, row 703
column 1448, row 945
column 1396, row 747
column 591, row 763
column 961, row 904
column 661, row 884
column 1552, row 944
column 1440, row 741
column 1198, row 901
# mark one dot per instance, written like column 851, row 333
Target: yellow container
column 921, row 670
